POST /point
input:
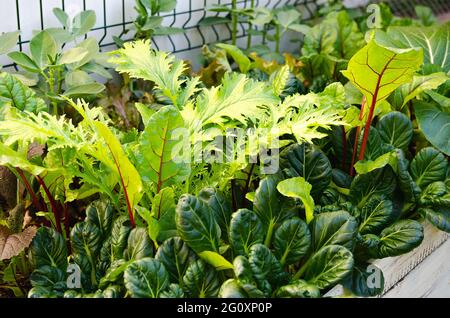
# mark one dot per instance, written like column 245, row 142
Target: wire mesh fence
column 115, row 18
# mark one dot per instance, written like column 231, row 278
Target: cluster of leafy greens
column 359, row 131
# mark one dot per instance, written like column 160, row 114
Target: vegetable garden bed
column 263, row 174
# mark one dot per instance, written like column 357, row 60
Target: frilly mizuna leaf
column 140, row 61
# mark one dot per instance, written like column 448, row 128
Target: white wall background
column 26, row 14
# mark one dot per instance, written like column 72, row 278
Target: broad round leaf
column 396, row 129
column 292, row 241
column 429, row 165
column 201, row 280
column 302, row 160
column 196, row 224
column 146, row 278
column 333, row 228
column 245, row 230
column 376, row 214
column 328, row 266
column 400, row 238
column 298, row 289
column 48, row 248
column 176, row 256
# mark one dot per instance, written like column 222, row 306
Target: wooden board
column 396, row 268
column 431, row 278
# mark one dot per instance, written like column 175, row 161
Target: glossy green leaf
column 292, row 241
column 298, row 289
column 48, row 277
column 86, row 242
column 201, row 280
column 119, row 237
column 333, row 228
column 399, row 238
column 231, row 289
column 220, row 204
column 100, row 213
column 146, row 278
column 266, row 269
column 366, row 280
column 245, row 230
column 328, row 266
column 267, row 201
column 438, row 216
column 48, row 248
column 429, row 165
column 196, row 224
column 379, row 181
column 303, row 160
column 375, row 215
column 216, row 260
column 176, row 256
column 173, row 291
column 163, row 210
column 139, row 245
column 396, row 129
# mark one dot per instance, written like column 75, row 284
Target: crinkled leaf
column 333, row 228
column 328, row 266
column 48, row 248
column 303, row 160
column 429, row 165
column 201, row 280
column 400, row 238
column 176, row 256
column 245, row 230
column 396, row 129
column 196, row 224
column 292, row 241
column 146, row 278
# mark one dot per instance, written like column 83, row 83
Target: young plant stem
column 53, row 204
column 302, row 270
column 358, row 132
column 27, row 185
column 269, row 233
column 250, row 27
column 234, row 21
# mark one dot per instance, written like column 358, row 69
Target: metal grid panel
column 114, row 17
